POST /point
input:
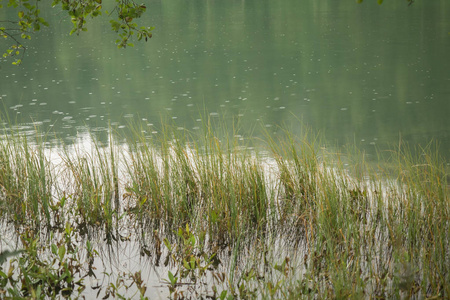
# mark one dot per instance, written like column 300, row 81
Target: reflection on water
column 288, row 216
column 363, row 73
column 113, row 261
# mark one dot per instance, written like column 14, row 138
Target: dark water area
column 365, row 73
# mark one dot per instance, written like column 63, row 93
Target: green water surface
column 355, row 72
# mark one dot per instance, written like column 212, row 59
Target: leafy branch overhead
column 28, row 19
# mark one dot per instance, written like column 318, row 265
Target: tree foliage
column 28, row 19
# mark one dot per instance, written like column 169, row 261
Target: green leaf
column 38, row 292
column 88, row 246
column 115, row 25
column 62, row 252
column 43, row 22
column 380, row 2
column 173, row 279
column 186, row 265
column 167, row 243
column 12, row 3
column 278, row 267
column 54, row 249
column 223, row 295
column 6, row 254
column 192, row 240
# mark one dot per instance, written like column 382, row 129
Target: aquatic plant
column 25, row 179
column 289, row 221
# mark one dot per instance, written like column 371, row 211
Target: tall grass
column 92, row 182
column 26, row 179
column 383, row 232
column 198, row 179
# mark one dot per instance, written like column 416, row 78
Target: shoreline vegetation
column 222, row 220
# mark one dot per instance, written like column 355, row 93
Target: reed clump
column 91, row 180
column 381, row 232
column 180, row 178
column 26, row 180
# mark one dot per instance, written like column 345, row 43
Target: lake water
column 355, row 72
column 360, row 73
